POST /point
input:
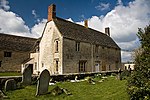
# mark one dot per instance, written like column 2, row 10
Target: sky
column 124, row 17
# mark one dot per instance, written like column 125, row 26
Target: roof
column 80, row 33
column 16, row 43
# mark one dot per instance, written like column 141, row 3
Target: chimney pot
column 51, row 12
column 86, row 23
column 107, row 31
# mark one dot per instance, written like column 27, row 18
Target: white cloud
column 102, row 6
column 126, row 56
column 38, row 28
column 13, row 25
column 35, row 16
column 69, row 19
column 4, row 5
column 119, row 2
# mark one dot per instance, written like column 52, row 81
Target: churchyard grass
column 110, row 89
column 10, row 74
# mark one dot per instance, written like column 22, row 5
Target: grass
column 10, row 74
column 110, row 89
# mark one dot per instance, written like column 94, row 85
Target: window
column 42, row 64
column 56, row 46
column 0, row 63
column 96, row 48
column 82, row 66
column 77, row 46
column 35, row 66
column 7, row 54
column 56, row 66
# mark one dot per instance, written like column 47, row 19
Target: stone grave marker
column 10, row 84
column 43, row 82
column 27, row 75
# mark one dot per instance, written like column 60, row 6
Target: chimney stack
column 107, row 31
column 51, row 12
column 86, row 23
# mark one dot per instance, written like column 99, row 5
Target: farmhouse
column 66, row 47
column 14, row 50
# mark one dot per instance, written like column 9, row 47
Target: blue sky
column 124, row 17
column 78, row 10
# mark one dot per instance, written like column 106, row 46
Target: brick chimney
column 51, row 12
column 107, row 31
column 86, row 23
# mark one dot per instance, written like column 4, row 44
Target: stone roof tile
column 80, row 33
column 16, row 43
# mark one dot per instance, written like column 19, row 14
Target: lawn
column 110, row 89
column 10, row 74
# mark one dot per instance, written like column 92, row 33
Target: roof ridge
column 79, row 25
column 17, row 36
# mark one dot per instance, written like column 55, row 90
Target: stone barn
column 66, row 47
column 14, row 50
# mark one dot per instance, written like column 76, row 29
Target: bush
column 125, row 74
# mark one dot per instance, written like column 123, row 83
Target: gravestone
column 10, row 84
column 27, row 75
column 43, row 82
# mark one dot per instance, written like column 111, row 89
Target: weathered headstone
column 10, row 84
column 27, row 75
column 43, row 82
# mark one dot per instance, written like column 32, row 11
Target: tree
column 139, row 81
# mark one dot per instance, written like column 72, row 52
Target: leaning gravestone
column 27, row 75
column 10, row 84
column 43, row 82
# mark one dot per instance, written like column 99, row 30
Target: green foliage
column 125, row 74
column 139, row 81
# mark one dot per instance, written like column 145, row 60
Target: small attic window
column 7, row 54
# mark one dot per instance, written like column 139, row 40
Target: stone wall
column 98, row 58
column 14, row 62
